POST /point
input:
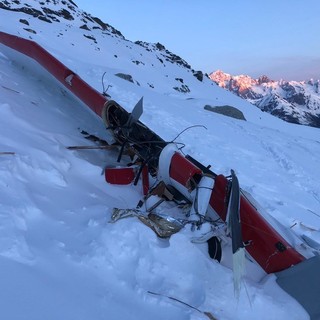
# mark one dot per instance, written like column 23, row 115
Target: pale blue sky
column 279, row 38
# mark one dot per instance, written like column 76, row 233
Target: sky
column 277, row 38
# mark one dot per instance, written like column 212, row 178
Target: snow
column 61, row 258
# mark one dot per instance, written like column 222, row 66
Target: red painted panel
column 218, row 200
column 182, row 170
column 271, row 251
column 265, row 244
column 120, row 176
column 87, row 94
column 91, row 97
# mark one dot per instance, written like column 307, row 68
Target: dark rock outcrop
column 228, row 111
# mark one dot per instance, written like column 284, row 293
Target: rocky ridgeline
column 52, row 11
column 292, row 101
column 164, row 55
column 67, row 13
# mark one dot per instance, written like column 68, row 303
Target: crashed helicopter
column 215, row 207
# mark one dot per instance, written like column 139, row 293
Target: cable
column 195, row 126
column 104, row 90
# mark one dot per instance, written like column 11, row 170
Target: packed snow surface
column 61, row 258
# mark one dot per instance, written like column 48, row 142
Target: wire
column 175, row 299
column 102, row 81
column 104, row 90
column 195, row 126
column 207, row 314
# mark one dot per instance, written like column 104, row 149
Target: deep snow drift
column 60, row 258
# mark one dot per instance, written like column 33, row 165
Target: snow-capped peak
column 293, row 101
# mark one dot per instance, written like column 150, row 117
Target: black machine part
column 214, row 248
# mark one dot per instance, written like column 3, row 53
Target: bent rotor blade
column 135, row 114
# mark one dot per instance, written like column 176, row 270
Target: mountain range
column 293, row 101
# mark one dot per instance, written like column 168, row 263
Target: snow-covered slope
column 60, row 258
column 292, row 101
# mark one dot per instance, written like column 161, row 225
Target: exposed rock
column 198, row 75
column 45, row 19
column 33, row 12
column 124, row 76
column 137, row 62
column 84, row 27
column 106, row 26
column 183, row 88
column 71, row 3
column 91, row 38
column 67, row 12
column 179, row 79
column 263, row 79
column 160, row 60
column 226, row 111
column 165, row 54
column 63, row 13
column 24, row 21
column 30, row 30
column 160, row 46
column 143, row 44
